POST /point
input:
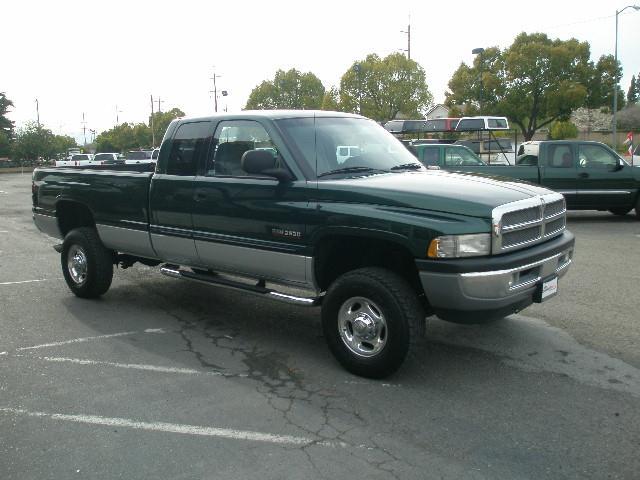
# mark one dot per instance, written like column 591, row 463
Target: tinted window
column 81, row 156
column 231, row 140
column 560, row 156
column 497, row 123
column 430, row 156
column 138, row 155
column 527, row 160
column 460, row 156
column 596, row 156
column 189, row 145
column 471, row 124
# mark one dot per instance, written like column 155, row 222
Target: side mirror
column 262, row 162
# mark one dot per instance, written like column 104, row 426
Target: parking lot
column 169, row 379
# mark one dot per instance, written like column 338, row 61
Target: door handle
column 199, row 197
column 583, row 175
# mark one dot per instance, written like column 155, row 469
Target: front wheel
column 371, row 317
column 87, row 265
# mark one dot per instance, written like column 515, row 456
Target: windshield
column 103, row 156
column 142, row 155
column 347, row 146
column 458, row 156
column 80, row 156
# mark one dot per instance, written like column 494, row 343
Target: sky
column 106, row 58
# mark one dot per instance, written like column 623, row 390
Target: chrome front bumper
column 494, row 290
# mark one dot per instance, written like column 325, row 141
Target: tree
column 33, row 141
column 6, row 125
column 563, row 130
column 161, row 121
column 600, row 81
column 534, row 82
column 331, row 100
column 289, row 90
column 381, row 88
column 633, row 94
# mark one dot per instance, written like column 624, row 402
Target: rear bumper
column 493, row 286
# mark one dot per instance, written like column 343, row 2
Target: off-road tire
column 398, row 304
column 98, row 272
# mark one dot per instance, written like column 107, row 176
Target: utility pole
column 84, row 129
column 159, row 102
column 215, row 91
column 117, row 118
column 38, row 112
column 153, row 132
column 408, row 32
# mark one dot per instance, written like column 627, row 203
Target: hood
column 435, row 190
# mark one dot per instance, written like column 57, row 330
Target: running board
column 258, row 289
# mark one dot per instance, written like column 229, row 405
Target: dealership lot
column 167, row 379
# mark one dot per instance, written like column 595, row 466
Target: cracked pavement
column 179, row 380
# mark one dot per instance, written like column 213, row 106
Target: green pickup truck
column 590, row 175
column 269, row 203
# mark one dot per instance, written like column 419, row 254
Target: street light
column 358, row 68
column 615, row 84
column 479, row 51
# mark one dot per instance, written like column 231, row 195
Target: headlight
column 454, row 246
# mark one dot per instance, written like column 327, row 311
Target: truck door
column 603, row 180
column 171, row 198
column 558, row 170
column 244, row 223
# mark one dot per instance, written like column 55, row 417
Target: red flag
column 629, row 141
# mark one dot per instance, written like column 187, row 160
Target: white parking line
column 26, row 281
column 87, row 339
column 183, row 429
column 138, row 366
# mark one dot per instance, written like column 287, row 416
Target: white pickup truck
column 76, row 160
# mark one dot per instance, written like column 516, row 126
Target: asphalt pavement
column 172, row 380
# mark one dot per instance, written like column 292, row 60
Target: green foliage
column 382, row 88
column 633, row 94
column 331, row 100
column 122, row 138
column 629, row 117
column 288, row 90
column 600, row 80
column 33, row 141
column 161, row 121
column 563, row 130
column 125, row 136
column 534, row 82
column 6, row 125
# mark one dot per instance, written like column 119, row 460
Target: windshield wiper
column 407, row 166
column 351, row 170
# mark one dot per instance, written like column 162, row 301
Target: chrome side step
column 257, row 289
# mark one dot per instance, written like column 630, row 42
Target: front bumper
column 470, row 290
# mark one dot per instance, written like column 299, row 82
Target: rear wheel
column 87, row 265
column 371, row 318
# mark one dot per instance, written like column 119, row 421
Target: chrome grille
column 517, row 237
column 522, row 216
column 526, row 222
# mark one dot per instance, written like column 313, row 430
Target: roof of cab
column 272, row 115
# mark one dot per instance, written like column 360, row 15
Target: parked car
column 377, row 240
column 107, row 159
column 590, row 175
column 138, row 156
column 76, row 160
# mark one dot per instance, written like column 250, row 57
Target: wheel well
column 73, row 215
column 339, row 254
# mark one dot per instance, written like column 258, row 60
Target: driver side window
column 231, row 140
column 596, row 156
